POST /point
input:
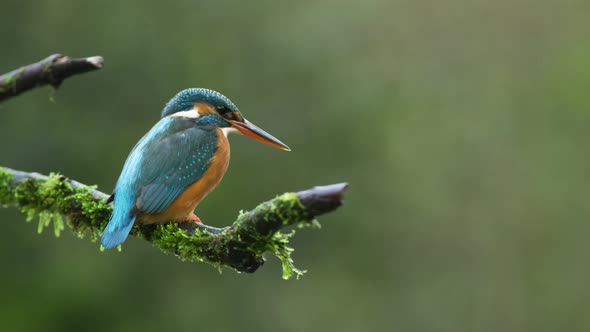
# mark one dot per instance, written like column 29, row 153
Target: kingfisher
column 178, row 162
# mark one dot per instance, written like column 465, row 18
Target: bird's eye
column 225, row 112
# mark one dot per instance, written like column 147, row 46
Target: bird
column 180, row 160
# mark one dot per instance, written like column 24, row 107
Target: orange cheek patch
column 203, row 109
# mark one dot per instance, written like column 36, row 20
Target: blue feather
column 185, row 99
column 167, row 160
column 116, row 232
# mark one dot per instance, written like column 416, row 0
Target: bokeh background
column 461, row 126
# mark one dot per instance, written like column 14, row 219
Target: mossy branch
column 240, row 246
column 49, row 71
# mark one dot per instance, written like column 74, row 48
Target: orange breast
column 185, row 204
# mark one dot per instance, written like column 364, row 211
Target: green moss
column 6, row 192
column 244, row 236
column 281, row 249
column 54, row 202
column 53, row 199
column 285, row 209
column 186, row 246
column 92, row 214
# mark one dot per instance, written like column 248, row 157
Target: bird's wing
column 167, row 164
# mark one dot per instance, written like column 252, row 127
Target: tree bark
column 52, row 70
column 240, row 246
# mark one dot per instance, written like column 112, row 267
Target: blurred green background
column 461, row 126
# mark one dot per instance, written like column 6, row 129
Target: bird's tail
column 117, row 229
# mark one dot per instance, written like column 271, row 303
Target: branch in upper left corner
column 50, row 71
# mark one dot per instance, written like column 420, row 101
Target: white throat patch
column 228, row 130
column 187, row 114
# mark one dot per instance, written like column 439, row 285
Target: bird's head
column 214, row 108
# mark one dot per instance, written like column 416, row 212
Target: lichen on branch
column 58, row 201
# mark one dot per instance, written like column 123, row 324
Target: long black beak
column 249, row 129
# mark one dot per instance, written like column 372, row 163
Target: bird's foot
column 192, row 217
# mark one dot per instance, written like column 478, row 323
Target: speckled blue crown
column 185, row 99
